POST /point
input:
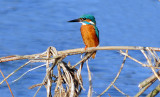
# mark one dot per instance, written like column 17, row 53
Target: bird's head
column 85, row 19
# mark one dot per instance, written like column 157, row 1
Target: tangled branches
column 69, row 81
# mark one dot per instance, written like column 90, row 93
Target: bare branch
column 90, row 81
column 69, row 81
column 154, row 92
column 150, row 79
column 76, row 51
column 7, row 83
column 116, row 76
column 15, row 71
column 150, row 63
column 120, row 91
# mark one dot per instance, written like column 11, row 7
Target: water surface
column 31, row 26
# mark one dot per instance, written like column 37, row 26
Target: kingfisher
column 89, row 31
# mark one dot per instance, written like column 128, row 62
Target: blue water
column 30, row 26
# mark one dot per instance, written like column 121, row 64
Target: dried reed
column 69, row 81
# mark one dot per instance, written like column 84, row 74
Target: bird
column 89, row 31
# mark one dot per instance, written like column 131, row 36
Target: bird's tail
column 94, row 54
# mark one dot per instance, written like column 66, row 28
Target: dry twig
column 7, row 83
column 69, row 82
column 116, row 76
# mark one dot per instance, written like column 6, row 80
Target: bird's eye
column 84, row 18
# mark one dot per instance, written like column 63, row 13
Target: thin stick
column 144, row 65
column 79, row 75
column 76, row 51
column 154, row 92
column 82, row 50
column 15, row 71
column 90, row 81
column 83, row 59
column 28, row 71
column 48, row 75
column 143, row 89
column 40, row 84
column 39, row 87
column 116, row 76
column 69, row 80
column 7, row 83
column 155, row 73
column 33, row 86
column 150, row 79
column 149, row 62
column 120, row 91
column 17, row 57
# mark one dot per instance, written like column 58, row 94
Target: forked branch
column 69, row 81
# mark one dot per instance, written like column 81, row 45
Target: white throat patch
column 83, row 23
column 91, row 22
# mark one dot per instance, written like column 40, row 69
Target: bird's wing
column 97, row 31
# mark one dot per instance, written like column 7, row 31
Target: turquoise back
column 97, row 31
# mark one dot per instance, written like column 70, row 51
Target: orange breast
column 89, row 36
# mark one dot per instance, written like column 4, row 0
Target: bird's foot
column 85, row 48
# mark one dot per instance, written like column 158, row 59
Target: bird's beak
column 75, row 20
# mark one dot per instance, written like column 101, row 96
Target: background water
column 31, row 26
